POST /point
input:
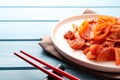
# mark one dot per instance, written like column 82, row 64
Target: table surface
column 24, row 22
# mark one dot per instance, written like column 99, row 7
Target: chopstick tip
column 15, row 53
column 22, row 51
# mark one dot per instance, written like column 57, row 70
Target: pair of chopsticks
column 56, row 70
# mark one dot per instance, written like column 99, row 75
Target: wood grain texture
column 23, row 22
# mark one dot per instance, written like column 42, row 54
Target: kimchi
column 98, row 38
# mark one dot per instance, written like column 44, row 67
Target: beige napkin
column 47, row 45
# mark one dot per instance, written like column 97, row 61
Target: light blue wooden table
column 23, row 22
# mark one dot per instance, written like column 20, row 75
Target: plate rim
column 111, row 69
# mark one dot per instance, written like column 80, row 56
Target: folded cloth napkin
column 47, row 45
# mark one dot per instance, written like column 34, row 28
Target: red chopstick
column 59, row 71
column 41, row 68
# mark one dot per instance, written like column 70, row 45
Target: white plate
column 77, row 56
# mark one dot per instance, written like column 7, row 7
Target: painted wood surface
column 24, row 22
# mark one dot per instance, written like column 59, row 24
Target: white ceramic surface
column 76, row 55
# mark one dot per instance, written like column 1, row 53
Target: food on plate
column 99, row 38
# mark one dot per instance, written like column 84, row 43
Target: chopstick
column 39, row 67
column 59, row 71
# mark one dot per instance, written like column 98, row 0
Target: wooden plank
column 22, row 75
column 8, row 59
column 47, row 14
column 25, row 30
column 38, row 75
column 58, row 3
column 8, row 48
column 37, row 13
